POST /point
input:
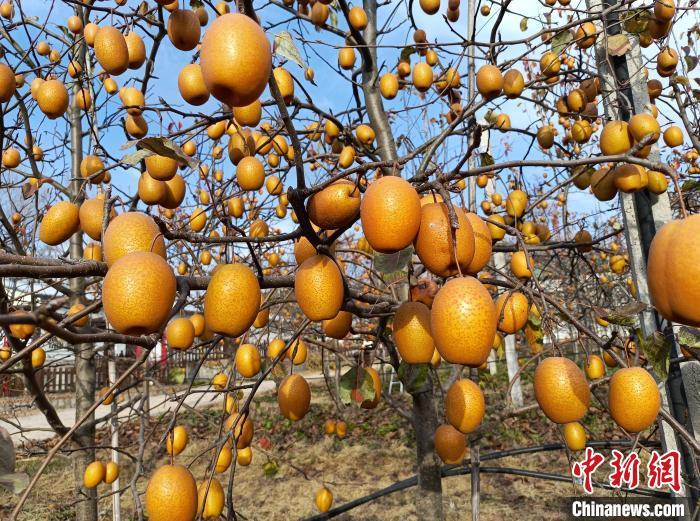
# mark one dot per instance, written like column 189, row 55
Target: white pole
column 114, row 423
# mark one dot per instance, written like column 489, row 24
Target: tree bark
column 84, row 364
column 428, row 498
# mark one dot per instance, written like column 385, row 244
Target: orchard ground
column 291, row 461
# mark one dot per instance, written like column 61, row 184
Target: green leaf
column 356, row 379
column 561, row 41
column 635, row 21
column 523, row 24
column 618, row 45
column 689, row 337
column 623, row 316
column 406, row 53
column 415, row 377
column 657, row 350
column 284, row 46
column 691, row 62
column 486, row 159
column 390, row 263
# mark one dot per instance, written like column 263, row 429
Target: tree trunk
column 428, row 498
column 84, row 437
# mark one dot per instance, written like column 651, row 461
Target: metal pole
column 624, row 92
column 114, row 424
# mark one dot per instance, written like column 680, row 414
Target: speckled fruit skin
column 180, row 333
column 339, row 326
column 411, row 328
column 512, row 309
column 674, row 256
column 464, row 406
column 434, row 244
column 336, row 206
column 111, row 50
column 294, row 397
column 561, row 390
column 138, row 293
column 232, row 300
column 463, row 321
column 633, row 398
column 390, row 213
column 91, row 215
column 482, row 243
column 131, row 232
column 59, row 223
column 52, row 97
column 318, row 287
column 171, row 494
column 236, row 59
column 489, row 81
column 190, row 82
column 248, row 360
column 450, row 444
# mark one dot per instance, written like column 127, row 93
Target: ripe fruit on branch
column 294, row 397
column 633, row 398
column 561, row 390
column 318, row 287
column 464, row 406
column 412, row 333
column 232, row 300
column 171, row 494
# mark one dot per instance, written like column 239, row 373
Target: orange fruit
column 59, row 223
column 294, row 397
column 390, row 213
column 318, row 287
column 450, row 444
column 232, row 300
column 464, row 406
column 248, row 360
column 411, row 329
column 512, row 309
column 434, row 242
column 633, row 399
column 132, row 232
column 171, row 494
column 180, row 333
column 335, row 206
column 339, row 326
column 561, row 390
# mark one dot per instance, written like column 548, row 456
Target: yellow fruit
column 174, row 192
column 673, row 136
column 90, row 32
column 198, row 220
column 365, row 134
column 630, row 178
column 52, row 98
column 323, row 499
column 616, row 138
column 664, row 10
column 150, row 191
column 136, row 50
column 513, row 83
column 519, row 265
column 232, row 300
column 132, row 232
column 603, row 184
column 242, row 428
column 38, row 357
column 346, row 58
column 248, row 360
column 210, row 499
column 643, row 124
column 111, row 472
column 586, row 35
column 138, row 293
column 357, row 18
column 91, row 216
column 412, row 333
column 90, row 167
column 482, row 243
column 94, row 474
column 161, row 168
column 133, row 100
column 92, row 252
column 561, row 390
column 236, row 59
column 180, row 333
column 244, row 456
column 516, row 203
column 111, row 50
column 575, row 436
column 657, row 182
column 339, row 326
column 450, row 444
column 633, row 399
column 389, row 85
column 77, row 308
column 329, row 427
column 341, row 429
column 248, row 115
column 318, row 287
column 294, row 397
column 223, row 460
column 59, row 223
column 463, row 321
column 190, row 83
column 297, row 352
column 390, row 213
column 464, row 405
column 335, row 206
column 250, row 173
column 489, row 81
column 434, row 243
column 673, row 289
column 7, row 83
column 184, row 29
column 595, row 368
column 512, row 309
column 176, row 440
column 422, row 76
column 171, row 494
